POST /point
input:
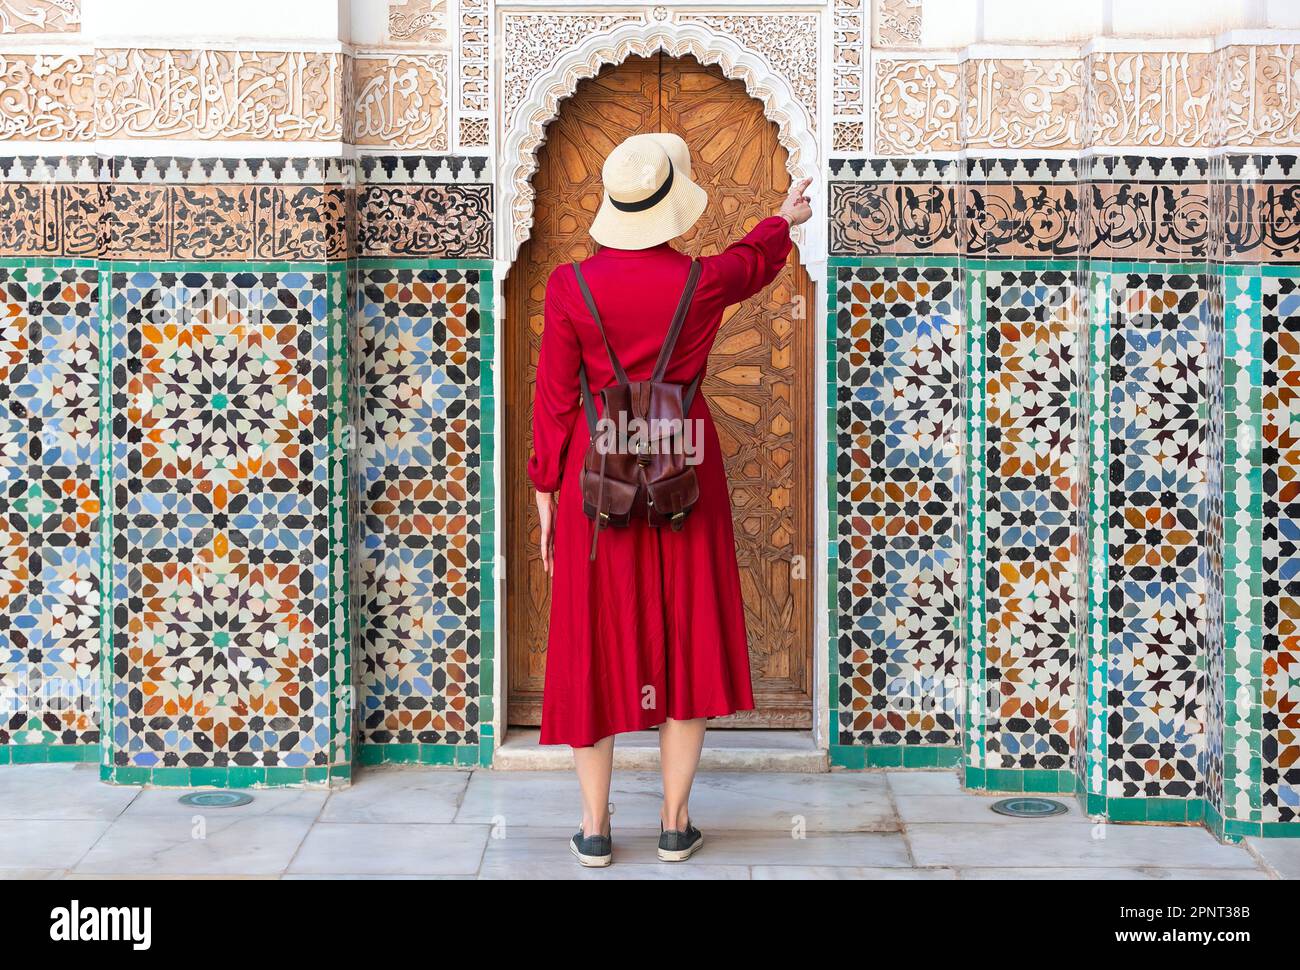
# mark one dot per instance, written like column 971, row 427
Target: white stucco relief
column 547, row 54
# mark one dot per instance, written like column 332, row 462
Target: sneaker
column 679, row 846
column 594, row 851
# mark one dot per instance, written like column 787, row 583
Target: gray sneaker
column 679, row 846
column 594, row 851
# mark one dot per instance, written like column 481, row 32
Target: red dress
column 655, row 627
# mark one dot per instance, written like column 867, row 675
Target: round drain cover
column 216, row 799
column 1029, row 807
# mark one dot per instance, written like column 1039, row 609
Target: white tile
column 25, row 875
column 767, row 802
column 847, row 872
column 1280, row 855
column 1070, row 845
column 353, row 876
column 60, row 792
column 1118, row 872
column 784, row 803
column 550, row 799
column 47, row 844
column 398, row 795
column 164, row 803
column 853, row 849
column 919, row 782
column 213, row 844
column 391, row 849
column 972, row 809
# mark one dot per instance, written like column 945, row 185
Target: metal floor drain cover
column 1029, row 807
column 216, row 799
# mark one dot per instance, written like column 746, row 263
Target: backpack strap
column 588, row 402
column 619, row 373
column 679, row 318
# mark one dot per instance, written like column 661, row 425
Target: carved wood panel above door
column 760, row 374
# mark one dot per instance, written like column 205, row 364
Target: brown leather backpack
column 636, row 463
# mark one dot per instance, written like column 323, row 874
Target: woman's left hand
column 546, row 509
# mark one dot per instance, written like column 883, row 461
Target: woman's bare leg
column 595, row 765
column 679, row 755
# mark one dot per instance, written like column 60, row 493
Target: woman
column 651, row 631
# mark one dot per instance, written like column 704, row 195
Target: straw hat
column 649, row 195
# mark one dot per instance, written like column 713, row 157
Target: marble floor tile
column 1070, row 845
column 57, row 791
column 918, row 782
column 1282, row 856
column 398, row 795
column 210, row 844
column 47, row 843
column 386, row 848
column 1118, row 872
column 849, row 872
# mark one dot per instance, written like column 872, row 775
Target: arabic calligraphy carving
column 46, row 97
column 219, row 95
column 400, row 101
column 40, row 16
column 417, row 20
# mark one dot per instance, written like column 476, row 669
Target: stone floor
column 59, row 821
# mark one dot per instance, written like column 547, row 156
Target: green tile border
column 482, row 751
column 40, row 754
column 832, row 521
column 894, row 756
column 974, row 619
column 232, row 776
column 107, row 504
column 1093, row 645
column 1242, row 577
column 180, row 776
column 458, row 755
column 47, row 262
column 1043, row 781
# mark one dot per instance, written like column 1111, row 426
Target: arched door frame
column 524, row 132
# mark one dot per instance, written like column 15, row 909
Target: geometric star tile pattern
column 1280, row 671
column 1031, row 516
column 421, row 505
column 1157, row 563
column 898, row 441
column 224, row 518
column 49, row 506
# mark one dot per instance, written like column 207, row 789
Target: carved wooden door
column 760, row 373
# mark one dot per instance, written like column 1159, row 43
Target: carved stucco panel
column 896, row 23
column 401, row 101
column 417, row 21
column 848, row 75
column 220, row 95
column 918, row 106
column 474, row 75
column 47, row 97
column 1259, row 96
column 532, row 43
column 1016, row 104
column 788, row 42
column 545, row 55
column 40, row 16
column 1158, row 99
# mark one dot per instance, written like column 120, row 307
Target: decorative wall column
column 1254, row 752
column 1126, row 622
column 426, row 568
column 896, row 331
